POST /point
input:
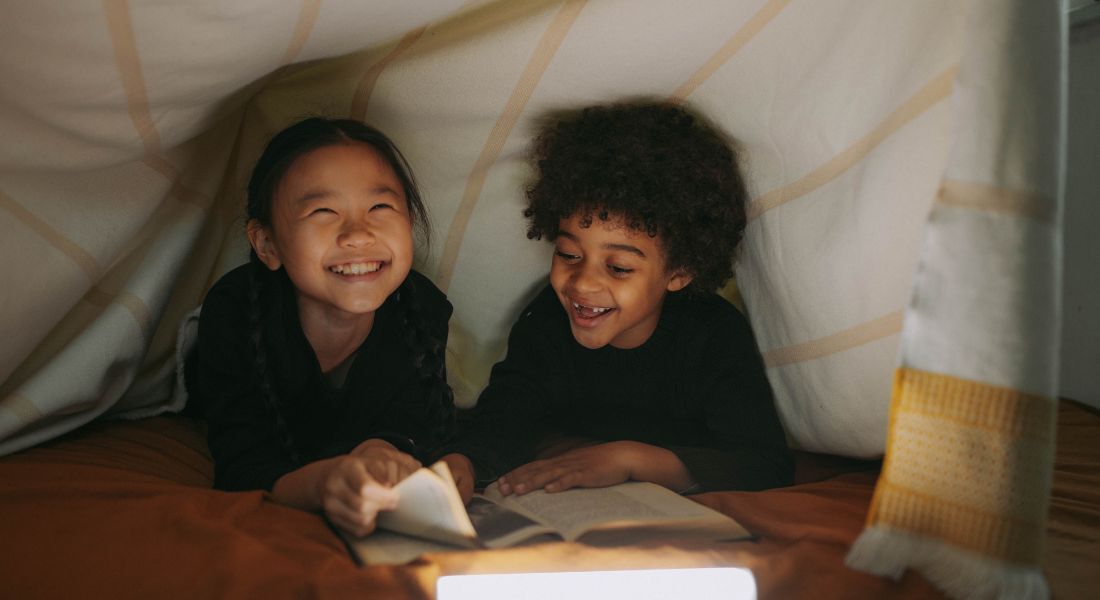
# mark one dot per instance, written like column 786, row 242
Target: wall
column 1080, row 376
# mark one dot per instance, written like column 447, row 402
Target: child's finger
column 376, row 497
column 382, row 470
column 464, row 478
column 537, row 478
column 399, row 466
column 408, row 463
column 392, row 470
column 565, row 481
column 523, row 475
column 355, row 529
column 356, row 487
column 345, row 498
column 524, row 471
column 356, row 510
column 344, row 484
column 518, row 476
column 352, row 521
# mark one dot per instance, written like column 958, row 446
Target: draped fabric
column 900, row 266
column 966, row 481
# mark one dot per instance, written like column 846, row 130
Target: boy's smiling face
column 611, row 281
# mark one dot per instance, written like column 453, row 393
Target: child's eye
column 567, row 257
column 619, row 271
column 381, row 206
column 321, row 210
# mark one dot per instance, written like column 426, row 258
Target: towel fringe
column 959, row 573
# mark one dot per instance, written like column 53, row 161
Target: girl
column 320, row 363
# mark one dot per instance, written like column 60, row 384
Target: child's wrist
column 457, row 463
column 655, row 464
column 634, row 456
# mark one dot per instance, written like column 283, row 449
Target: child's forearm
column 462, row 470
column 657, row 465
column 302, row 488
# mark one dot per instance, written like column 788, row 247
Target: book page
column 632, row 505
column 500, row 527
column 429, row 507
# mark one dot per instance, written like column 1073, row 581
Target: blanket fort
column 900, row 267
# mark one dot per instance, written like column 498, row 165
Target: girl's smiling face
column 611, row 281
column 340, row 226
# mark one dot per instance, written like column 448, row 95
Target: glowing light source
column 649, row 584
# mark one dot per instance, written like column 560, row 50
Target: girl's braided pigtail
column 268, row 393
column 429, row 358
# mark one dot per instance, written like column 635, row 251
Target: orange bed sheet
column 125, row 509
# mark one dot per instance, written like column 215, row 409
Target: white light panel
column 650, row 584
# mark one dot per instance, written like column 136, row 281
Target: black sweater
column 381, row 397
column 697, row 387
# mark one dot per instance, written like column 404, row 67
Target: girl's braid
column 268, row 392
column 429, row 358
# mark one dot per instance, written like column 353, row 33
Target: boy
column 628, row 366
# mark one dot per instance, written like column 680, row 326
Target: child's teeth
column 357, row 268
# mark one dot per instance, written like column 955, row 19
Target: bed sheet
column 124, row 509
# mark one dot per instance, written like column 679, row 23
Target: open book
column 430, row 517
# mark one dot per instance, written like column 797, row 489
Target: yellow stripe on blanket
column 968, row 463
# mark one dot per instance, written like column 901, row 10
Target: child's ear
column 264, row 245
column 679, row 281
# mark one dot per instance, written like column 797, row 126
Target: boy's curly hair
column 660, row 167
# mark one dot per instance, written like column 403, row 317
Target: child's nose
column 586, row 278
column 355, row 234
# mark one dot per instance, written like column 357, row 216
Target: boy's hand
column 463, row 472
column 600, row 465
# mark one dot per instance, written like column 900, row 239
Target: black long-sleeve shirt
column 381, row 397
column 697, row 387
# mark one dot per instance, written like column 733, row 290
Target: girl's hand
column 351, row 497
column 600, row 465
column 386, row 463
column 463, row 472
column 360, row 484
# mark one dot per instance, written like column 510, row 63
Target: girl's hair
column 428, row 350
column 660, row 167
column 311, row 134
